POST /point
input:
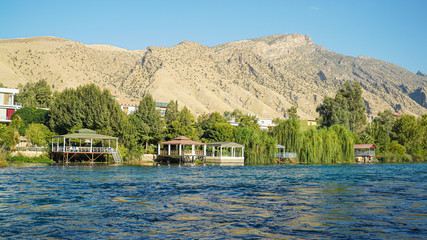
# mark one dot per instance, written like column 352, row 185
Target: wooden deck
column 68, row 153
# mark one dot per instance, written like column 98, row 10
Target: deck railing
column 364, row 153
column 183, row 152
column 286, row 155
column 35, row 149
column 83, row 149
column 237, row 154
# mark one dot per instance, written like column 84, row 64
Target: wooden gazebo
column 66, row 147
column 178, row 150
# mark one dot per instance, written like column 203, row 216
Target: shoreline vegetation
column 342, row 123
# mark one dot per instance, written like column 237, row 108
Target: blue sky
column 393, row 31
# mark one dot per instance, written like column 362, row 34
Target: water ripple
column 212, row 202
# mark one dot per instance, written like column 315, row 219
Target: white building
column 8, row 106
column 128, row 107
column 266, row 123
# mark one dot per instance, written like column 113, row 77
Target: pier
column 70, row 147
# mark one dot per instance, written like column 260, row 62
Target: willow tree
column 260, row 148
column 326, row 146
column 287, row 134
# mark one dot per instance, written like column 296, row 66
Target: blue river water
column 383, row 201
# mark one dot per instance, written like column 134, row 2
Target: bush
column 393, row 158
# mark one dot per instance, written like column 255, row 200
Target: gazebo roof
column 280, row 146
column 363, row 146
column 181, row 141
column 224, row 144
column 86, row 134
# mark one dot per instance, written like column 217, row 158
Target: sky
column 389, row 30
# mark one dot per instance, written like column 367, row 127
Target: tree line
column 342, row 121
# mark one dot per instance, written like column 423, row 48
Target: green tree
column 36, row 94
column 220, row 132
column 172, row 112
column 148, row 122
column 38, row 134
column 9, row 136
column 347, row 108
column 407, row 133
column 381, row 130
column 185, row 125
column 292, row 112
column 260, row 148
column 89, row 107
column 208, row 126
column 287, row 133
column 33, row 115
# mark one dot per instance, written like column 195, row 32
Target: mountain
column 262, row 76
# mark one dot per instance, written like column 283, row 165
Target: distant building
column 161, row 106
column 266, row 123
column 130, row 107
column 306, row 124
column 8, row 106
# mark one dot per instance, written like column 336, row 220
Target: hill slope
column 263, row 76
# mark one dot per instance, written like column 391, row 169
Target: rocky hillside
column 263, row 76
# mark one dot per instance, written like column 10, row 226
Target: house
column 266, row 123
column 161, row 106
column 306, row 124
column 130, row 107
column 364, row 152
column 8, row 106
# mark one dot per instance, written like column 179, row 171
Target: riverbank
column 19, row 161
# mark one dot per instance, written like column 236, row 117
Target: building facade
column 8, row 106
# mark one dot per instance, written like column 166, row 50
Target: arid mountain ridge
column 263, row 76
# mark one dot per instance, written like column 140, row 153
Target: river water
column 383, row 201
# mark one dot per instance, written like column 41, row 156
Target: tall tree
column 185, row 125
column 407, row 133
column 347, row 108
column 292, row 112
column 148, row 121
column 38, row 134
column 36, row 94
column 381, row 130
column 172, row 112
column 89, row 107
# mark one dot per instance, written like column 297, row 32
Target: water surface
column 210, row 202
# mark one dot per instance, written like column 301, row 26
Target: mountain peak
column 419, row 73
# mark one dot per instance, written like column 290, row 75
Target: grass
column 20, row 159
column 3, row 161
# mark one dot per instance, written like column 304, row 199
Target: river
column 382, row 201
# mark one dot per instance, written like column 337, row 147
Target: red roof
column 182, row 141
column 363, row 146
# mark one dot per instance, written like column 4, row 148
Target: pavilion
column 226, row 153
column 68, row 147
column 179, row 150
column 364, row 152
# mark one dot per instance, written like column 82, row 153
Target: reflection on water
column 352, row 201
